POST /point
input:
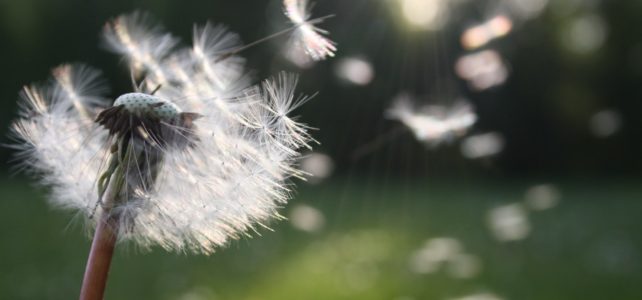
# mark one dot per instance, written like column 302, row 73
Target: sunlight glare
column 425, row 14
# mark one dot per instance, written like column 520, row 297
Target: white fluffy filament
column 307, row 36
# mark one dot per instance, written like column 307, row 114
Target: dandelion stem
column 102, row 246
column 99, row 261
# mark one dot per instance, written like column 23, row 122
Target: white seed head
column 231, row 179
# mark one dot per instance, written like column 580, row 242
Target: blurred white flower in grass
column 482, row 145
column 479, row 296
column 433, row 125
column 354, row 70
column 463, row 266
column 307, row 36
column 482, row 70
column 447, row 253
column 479, row 35
column 509, row 222
column 198, row 293
column 205, row 159
column 317, row 167
column 542, row 197
column 605, row 123
column 404, row 298
column 307, row 218
column 435, row 251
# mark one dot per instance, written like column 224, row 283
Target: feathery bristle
column 141, row 42
column 307, row 36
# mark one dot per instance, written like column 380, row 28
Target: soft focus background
column 540, row 199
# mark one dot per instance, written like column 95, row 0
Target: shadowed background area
column 538, row 199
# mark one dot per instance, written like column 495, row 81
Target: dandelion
column 433, row 125
column 307, row 36
column 191, row 159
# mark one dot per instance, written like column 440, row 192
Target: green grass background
column 585, row 248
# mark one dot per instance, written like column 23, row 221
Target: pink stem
column 102, row 250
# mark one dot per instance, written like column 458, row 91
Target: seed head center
column 145, row 105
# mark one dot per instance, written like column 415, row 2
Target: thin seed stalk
column 99, row 261
column 105, row 235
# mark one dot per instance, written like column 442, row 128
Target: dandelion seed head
column 207, row 158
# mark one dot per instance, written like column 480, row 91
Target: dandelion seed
column 142, row 44
column 433, row 125
column 307, row 36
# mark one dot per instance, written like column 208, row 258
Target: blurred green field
column 585, row 248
